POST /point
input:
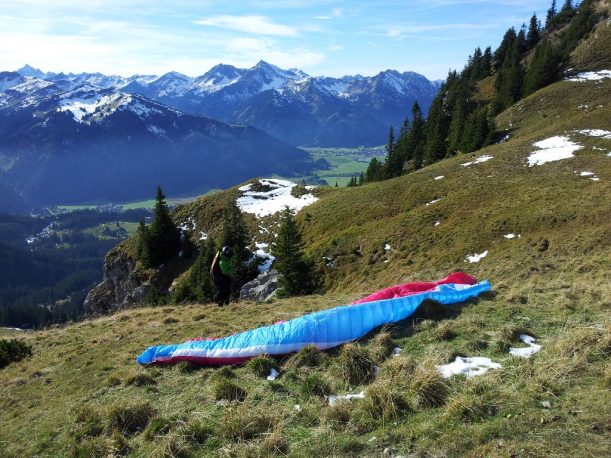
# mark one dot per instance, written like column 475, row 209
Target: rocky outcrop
column 261, row 288
column 123, row 285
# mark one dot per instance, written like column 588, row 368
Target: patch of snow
column 265, row 203
column 595, row 179
column 188, row 225
column 14, row 329
column 297, row 408
column 386, row 247
column 511, row 236
column 397, row 351
column 266, row 258
column 156, row 130
column 590, row 76
column 586, row 174
column 553, row 149
column 440, row 177
column 504, row 139
column 434, row 201
column 526, row 352
column 203, row 235
column 596, row 133
column 377, row 370
column 476, row 257
column 479, row 160
column 437, row 223
column 335, row 398
column 273, row 374
column 470, row 366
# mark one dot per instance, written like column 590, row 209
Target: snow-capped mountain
column 289, row 104
column 101, row 144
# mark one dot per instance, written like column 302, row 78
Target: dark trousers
column 223, row 287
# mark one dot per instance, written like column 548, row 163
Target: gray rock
column 261, row 288
column 122, row 286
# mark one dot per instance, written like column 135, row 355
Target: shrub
column 226, row 390
column 384, row 400
column 355, row 365
column 261, row 365
column 160, row 426
column 12, row 351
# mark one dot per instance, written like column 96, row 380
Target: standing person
column 220, row 271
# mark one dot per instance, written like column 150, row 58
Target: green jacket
column 225, row 265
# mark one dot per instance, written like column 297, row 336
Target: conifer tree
column 201, row 284
column 551, row 14
column 416, row 139
column 142, row 244
column 393, row 162
column 361, row 179
column 375, row 171
column 533, row 32
column 235, row 236
column 163, row 235
column 297, row 275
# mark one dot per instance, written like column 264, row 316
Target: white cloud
column 259, row 25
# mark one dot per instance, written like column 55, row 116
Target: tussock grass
column 308, row 356
column 129, row 418
column 246, row 421
column 385, row 399
column 314, row 385
column 381, row 346
column 140, row 379
column 261, row 365
column 427, row 387
column 355, row 365
column 229, row 391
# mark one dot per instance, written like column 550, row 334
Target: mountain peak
column 28, row 70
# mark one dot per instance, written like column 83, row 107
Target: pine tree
column 200, row 281
column 163, row 235
column 532, row 38
column 544, row 68
column 235, row 236
column 142, row 244
column 551, row 14
column 393, row 163
column 297, row 275
column 361, row 179
column 416, row 139
column 375, row 171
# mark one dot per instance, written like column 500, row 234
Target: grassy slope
column 80, row 387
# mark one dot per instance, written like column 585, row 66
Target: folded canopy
column 325, row 329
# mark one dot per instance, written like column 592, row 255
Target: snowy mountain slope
column 70, row 146
column 289, row 104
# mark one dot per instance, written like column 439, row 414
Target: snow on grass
column 273, row 374
column 437, row 223
column 272, row 200
column 552, row 149
column 188, row 225
column 335, row 398
column 596, row 133
column 396, row 351
column 434, row 201
column 469, row 366
column 203, row 235
column 512, row 236
column 590, row 76
column 476, row 257
column 266, row 259
column 387, row 247
column 479, row 160
column 589, row 175
column 525, row 352
column 440, row 177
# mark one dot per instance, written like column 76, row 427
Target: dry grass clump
column 275, row 444
column 247, row 422
column 445, row 331
column 261, row 365
column 476, row 400
column 129, row 418
column 140, row 379
column 101, row 447
column 399, row 368
column 338, row 415
column 381, row 346
column 314, row 385
column 308, row 356
column 186, row 367
column 227, row 390
column 427, row 387
column 89, row 422
column 355, row 365
column 160, row 426
column 507, row 336
column 385, row 399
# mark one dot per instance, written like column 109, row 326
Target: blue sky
column 322, row 37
